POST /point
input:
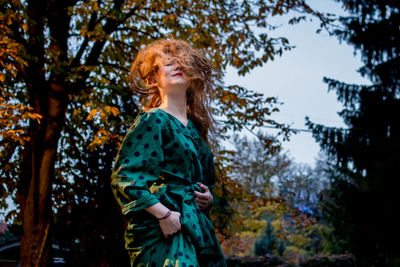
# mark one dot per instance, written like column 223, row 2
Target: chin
column 180, row 82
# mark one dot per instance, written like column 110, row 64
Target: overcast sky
column 296, row 79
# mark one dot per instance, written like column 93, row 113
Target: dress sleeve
column 137, row 165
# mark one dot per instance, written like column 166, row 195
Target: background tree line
column 280, row 213
column 358, row 206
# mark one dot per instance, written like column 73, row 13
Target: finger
column 200, row 204
column 202, row 195
column 202, row 186
column 200, row 201
column 203, row 201
column 203, row 198
column 207, row 197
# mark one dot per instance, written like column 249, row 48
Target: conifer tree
column 362, row 202
column 267, row 243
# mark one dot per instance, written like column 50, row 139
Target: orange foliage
column 13, row 119
column 238, row 246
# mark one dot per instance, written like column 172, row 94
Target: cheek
column 163, row 77
column 160, row 75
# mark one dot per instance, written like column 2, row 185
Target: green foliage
column 365, row 156
column 279, row 211
column 281, row 247
column 267, row 243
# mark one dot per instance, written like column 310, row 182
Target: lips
column 177, row 74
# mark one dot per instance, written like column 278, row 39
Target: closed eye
column 170, row 62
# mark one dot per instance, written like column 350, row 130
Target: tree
column 362, row 201
column 301, row 185
column 276, row 207
column 267, row 243
column 70, row 69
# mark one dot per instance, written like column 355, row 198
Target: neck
column 175, row 103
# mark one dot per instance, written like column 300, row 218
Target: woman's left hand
column 204, row 199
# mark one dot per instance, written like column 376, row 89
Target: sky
column 295, row 79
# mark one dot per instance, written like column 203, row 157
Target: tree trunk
column 49, row 99
column 38, row 163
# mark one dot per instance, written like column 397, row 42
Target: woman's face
column 169, row 75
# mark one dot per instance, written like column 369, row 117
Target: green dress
column 161, row 160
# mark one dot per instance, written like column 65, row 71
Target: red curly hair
column 197, row 70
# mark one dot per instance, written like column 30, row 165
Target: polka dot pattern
column 157, row 149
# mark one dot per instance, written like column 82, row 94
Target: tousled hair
column 195, row 67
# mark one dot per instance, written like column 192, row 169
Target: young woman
column 164, row 171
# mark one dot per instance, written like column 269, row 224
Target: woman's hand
column 171, row 224
column 204, row 199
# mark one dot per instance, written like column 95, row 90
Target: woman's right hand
column 171, row 224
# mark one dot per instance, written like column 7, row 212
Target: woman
column 164, row 170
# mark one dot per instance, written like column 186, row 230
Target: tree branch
column 117, row 66
column 91, row 26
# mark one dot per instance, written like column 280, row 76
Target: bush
column 255, row 261
column 344, row 260
column 270, row 260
